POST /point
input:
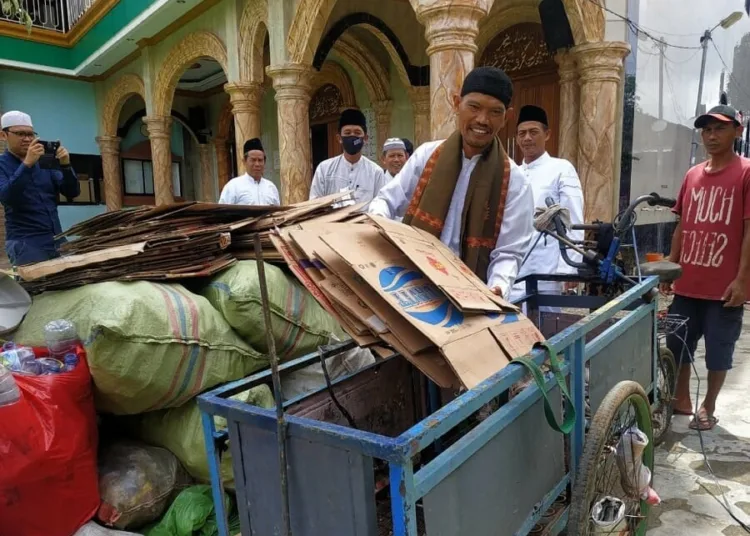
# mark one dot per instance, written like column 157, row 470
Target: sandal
column 703, row 422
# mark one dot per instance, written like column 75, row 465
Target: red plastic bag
column 49, row 484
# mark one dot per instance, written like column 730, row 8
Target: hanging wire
column 729, row 71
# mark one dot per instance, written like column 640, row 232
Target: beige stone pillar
column 222, row 162
column 292, row 83
column 600, row 67
column 451, row 29
column 109, row 146
column 207, row 175
column 160, row 134
column 569, row 107
column 420, row 101
column 246, row 99
column 383, row 111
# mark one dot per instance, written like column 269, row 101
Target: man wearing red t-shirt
column 712, row 244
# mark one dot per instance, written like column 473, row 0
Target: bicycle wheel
column 665, row 386
column 601, row 476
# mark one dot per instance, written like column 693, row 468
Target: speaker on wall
column 555, row 25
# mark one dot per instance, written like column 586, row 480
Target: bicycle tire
column 668, row 368
column 623, row 392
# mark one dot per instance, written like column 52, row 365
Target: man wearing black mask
column 350, row 170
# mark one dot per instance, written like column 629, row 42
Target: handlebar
column 623, row 222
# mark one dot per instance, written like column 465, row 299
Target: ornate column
column 245, row 98
column 222, row 162
column 383, row 110
column 207, row 175
column 569, row 107
column 420, row 101
column 452, row 27
column 160, row 134
column 600, row 67
column 292, row 83
column 109, row 146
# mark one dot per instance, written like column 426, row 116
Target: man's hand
column 498, row 291
column 34, row 153
column 666, row 289
column 735, row 294
column 63, row 156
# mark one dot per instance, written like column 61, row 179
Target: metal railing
column 55, row 15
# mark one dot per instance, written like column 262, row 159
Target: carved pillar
column 600, row 67
column 383, row 110
column 109, row 146
column 160, row 134
column 452, row 27
column 420, row 100
column 222, row 162
column 569, row 106
column 246, row 100
column 292, row 83
column 207, row 175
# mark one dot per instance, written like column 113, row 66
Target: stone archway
column 124, row 87
column 310, row 19
column 334, row 74
column 252, row 34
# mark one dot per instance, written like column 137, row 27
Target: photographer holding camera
column 29, row 193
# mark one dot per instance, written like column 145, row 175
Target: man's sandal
column 703, row 422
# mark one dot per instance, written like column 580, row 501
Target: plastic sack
column 137, row 482
column 48, row 440
column 92, row 529
column 150, row 345
column 298, row 321
column 193, row 513
column 180, row 431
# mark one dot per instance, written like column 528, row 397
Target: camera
column 50, row 147
column 49, row 158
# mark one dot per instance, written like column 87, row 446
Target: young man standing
column 251, row 188
column 712, row 244
column 351, row 170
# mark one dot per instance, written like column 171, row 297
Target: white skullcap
column 15, row 119
column 394, row 143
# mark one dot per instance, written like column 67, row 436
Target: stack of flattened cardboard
column 171, row 242
column 385, row 281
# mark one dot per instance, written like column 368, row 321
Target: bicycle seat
column 666, row 270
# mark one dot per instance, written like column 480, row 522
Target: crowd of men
column 470, row 194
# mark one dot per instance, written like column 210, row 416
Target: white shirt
column 365, row 178
column 555, row 178
column 244, row 190
column 516, row 229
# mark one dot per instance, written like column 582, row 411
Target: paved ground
column 688, row 509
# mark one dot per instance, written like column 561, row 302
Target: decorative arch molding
column 253, row 32
column 177, row 116
column 192, row 47
column 587, row 20
column 500, row 19
column 125, row 87
column 308, row 24
column 374, row 75
column 411, row 75
column 334, row 74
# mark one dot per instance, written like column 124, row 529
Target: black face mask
column 352, row 144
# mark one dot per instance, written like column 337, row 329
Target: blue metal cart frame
column 499, row 478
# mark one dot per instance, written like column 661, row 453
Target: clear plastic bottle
column 17, row 358
column 70, row 361
column 61, row 337
column 9, row 393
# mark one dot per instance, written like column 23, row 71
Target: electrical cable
column 725, row 504
column 728, row 70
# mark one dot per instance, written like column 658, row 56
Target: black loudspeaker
column 555, row 25
column 197, row 118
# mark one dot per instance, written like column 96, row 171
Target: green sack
column 193, row 514
column 149, row 345
column 180, row 431
column 298, row 321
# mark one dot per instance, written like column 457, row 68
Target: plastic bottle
column 16, row 358
column 51, row 365
column 70, row 361
column 9, row 393
column 61, row 338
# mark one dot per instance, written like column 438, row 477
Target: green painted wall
column 269, row 126
column 68, row 58
column 402, row 118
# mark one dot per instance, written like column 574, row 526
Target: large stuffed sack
column 193, row 514
column 298, row 321
column 150, row 346
column 137, row 482
column 180, row 431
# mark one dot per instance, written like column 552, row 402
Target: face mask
column 352, row 144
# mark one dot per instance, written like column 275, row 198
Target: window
column 139, row 177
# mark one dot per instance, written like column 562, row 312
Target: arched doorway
column 523, row 54
column 325, row 107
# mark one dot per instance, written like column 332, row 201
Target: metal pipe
column 704, row 44
column 280, row 422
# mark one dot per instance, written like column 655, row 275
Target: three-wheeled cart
column 486, row 462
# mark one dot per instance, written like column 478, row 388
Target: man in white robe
column 466, row 190
column 549, row 177
column 394, row 157
column 251, row 188
column 351, row 170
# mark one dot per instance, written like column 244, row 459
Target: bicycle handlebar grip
column 661, row 201
column 549, row 201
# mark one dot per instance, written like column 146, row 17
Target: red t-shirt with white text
column 713, row 207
